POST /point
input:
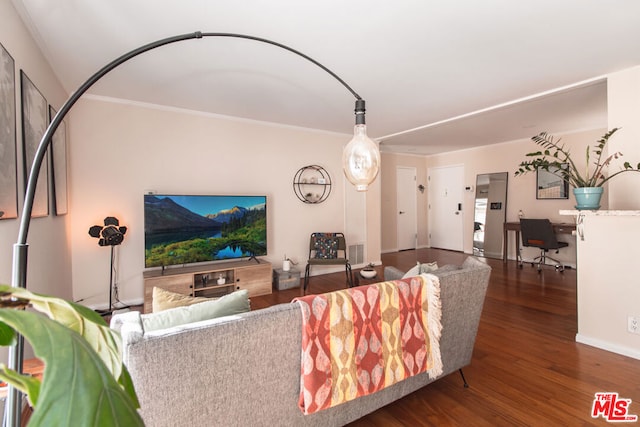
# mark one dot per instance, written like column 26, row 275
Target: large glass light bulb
column 361, row 159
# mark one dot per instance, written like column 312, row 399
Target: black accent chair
column 327, row 249
column 539, row 233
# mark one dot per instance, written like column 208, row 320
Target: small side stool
column 286, row 279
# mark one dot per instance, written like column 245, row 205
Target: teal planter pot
column 588, row 198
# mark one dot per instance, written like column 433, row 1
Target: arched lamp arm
column 57, row 120
column 20, row 248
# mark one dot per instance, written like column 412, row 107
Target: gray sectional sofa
column 244, row 370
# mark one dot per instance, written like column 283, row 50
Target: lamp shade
column 111, row 234
column 361, row 159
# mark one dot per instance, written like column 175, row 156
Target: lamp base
column 104, row 313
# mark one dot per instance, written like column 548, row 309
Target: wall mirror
column 551, row 186
column 490, row 214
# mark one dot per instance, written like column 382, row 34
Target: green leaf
column 86, row 322
column 7, row 335
column 80, row 319
column 78, row 388
column 25, row 383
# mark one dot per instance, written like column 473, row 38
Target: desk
column 558, row 227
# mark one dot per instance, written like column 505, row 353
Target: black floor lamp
column 110, row 234
column 360, row 160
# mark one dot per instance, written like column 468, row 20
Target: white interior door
column 407, row 204
column 446, row 191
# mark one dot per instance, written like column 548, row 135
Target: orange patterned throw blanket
column 360, row 340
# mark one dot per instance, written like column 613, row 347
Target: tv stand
column 202, row 280
column 253, row 257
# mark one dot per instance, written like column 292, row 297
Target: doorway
column 446, row 190
column 407, row 208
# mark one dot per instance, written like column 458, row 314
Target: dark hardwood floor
column 527, row 369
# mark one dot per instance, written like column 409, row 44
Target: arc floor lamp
column 360, row 161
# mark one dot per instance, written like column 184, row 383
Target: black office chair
column 538, row 233
column 327, row 249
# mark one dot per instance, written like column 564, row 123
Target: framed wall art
column 34, row 124
column 551, row 186
column 8, row 159
column 58, row 159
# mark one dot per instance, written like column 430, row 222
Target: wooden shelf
column 202, row 280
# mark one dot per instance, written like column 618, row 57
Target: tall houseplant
column 556, row 159
column 84, row 382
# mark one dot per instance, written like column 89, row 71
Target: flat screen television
column 187, row 229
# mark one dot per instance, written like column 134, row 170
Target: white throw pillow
column 419, row 268
column 233, row 303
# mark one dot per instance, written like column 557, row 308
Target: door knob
column 401, row 212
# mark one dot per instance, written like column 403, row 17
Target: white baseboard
column 604, row 345
column 388, row 251
column 104, row 306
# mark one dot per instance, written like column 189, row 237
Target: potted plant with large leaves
column 587, row 185
column 84, row 382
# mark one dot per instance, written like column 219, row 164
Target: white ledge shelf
column 600, row 213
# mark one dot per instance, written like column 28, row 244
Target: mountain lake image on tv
column 186, row 229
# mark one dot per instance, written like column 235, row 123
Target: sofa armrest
column 129, row 326
column 392, row 273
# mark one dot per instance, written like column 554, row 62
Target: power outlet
column 633, row 324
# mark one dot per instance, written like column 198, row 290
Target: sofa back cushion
column 420, row 268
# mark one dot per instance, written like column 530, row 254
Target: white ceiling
column 437, row 75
